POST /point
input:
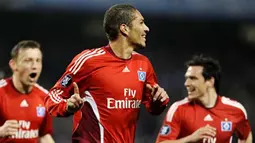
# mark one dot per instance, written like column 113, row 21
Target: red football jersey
column 27, row 109
column 184, row 118
column 113, row 90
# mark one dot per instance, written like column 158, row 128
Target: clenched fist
column 9, row 128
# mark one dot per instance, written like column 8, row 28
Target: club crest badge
column 141, row 76
column 226, row 126
column 40, row 110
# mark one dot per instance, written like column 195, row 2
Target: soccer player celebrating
column 105, row 87
column 23, row 118
column 204, row 116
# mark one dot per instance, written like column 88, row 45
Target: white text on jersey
column 126, row 102
column 129, row 92
column 209, row 140
column 24, row 131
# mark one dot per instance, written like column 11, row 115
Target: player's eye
column 27, row 60
column 38, row 60
column 193, row 78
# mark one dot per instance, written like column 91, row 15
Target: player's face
column 195, row 83
column 28, row 66
column 138, row 30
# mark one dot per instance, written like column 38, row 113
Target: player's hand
column 201, row 133
column 157, row 92
column 75, row 102
column 9, row 128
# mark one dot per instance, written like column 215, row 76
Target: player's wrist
column 187, row 139
column 2, row 134
column 70, row 108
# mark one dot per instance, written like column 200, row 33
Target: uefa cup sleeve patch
column 40, row 111
column 165, row 130
column 141, row 76
column 66, row 81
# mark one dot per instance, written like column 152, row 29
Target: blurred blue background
column 223, row 29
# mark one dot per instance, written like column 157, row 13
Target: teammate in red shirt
column 204, row 116
column 23, row 117
column 113, row 82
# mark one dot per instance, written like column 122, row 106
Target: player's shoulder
column 3, row 83
column 41, row 90
column 233, row 105
column 139, row 56
column 183, row 103
column 89, row 58
column 90, row 54
column 175, row 107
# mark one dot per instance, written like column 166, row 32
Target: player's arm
column 155, row 97
column 248, row 140
column 173, row 121
column 57, row 101
column 46, row 129
column 46, row 139
column 182, row 140
column 201, row 133
column 7, row 127
column 243, row 128
column 171, row 127
column 64, row 98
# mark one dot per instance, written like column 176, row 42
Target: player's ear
column 210, row 82
column 12, row 65
column 124, row 29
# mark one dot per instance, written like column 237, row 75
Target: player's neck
column 24, row 89
column 121, row 48
column 209, row 99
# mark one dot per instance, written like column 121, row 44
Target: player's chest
column 126, row 78
column 23, row 109
column 223, row 122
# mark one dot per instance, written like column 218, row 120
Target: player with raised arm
column 105, row 87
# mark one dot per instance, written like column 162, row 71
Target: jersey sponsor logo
column 122, row 104
column 165, row 130
column 66, row 81
column 141, row 76
column 24, row 131
column 128, row 102
column 210, row 140
column 226, row 126
column 40, row 111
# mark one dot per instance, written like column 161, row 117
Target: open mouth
column 190, row 90
column 32, row 75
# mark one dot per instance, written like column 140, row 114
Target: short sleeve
column 171, row 126
column 243, row 127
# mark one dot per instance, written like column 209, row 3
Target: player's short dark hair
column 211, row 68
column 24, row 45
column 115, row 16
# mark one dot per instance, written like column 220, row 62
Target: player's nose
column 34, row 65
column 187, row 82
column 146, row 29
